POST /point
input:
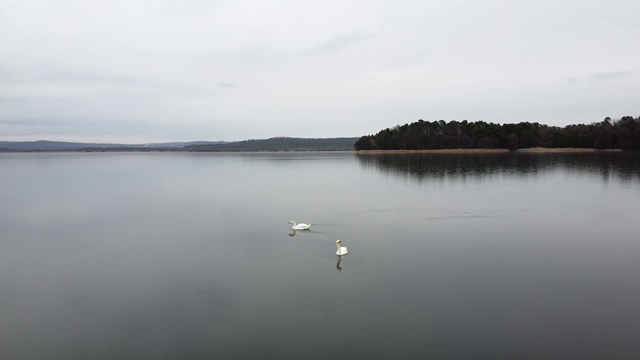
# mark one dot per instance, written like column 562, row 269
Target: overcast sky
column 136, row 71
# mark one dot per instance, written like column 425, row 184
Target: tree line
column 424, row 135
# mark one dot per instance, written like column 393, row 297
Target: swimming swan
column 300, row 226
column 342, row 250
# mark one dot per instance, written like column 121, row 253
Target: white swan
column 342, row 250
column 300, row 226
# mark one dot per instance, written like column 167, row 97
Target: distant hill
column 273, row 144
column 280, row 144
column 45, row 145
column 177, row 145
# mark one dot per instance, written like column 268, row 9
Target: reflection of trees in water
column 623, row 165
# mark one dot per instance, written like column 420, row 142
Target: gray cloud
column 341, row 42
column 602, row 76
column 50, row 74
column 226, row 84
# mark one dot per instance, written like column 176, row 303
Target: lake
column 190, row 255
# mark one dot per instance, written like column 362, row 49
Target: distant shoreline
column 572, row 150
column 357, row 152
column 162, row 150
column 271, row 144
column 488, row 151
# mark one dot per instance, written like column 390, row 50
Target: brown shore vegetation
column 561, row 150
column 487, row 151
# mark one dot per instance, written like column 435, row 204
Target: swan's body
column 342, row 250
column 300, row 226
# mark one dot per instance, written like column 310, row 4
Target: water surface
column 172, row 255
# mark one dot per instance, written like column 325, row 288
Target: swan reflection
column 293, row 233
column 339, row 264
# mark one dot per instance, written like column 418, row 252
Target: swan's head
column 338, row 242
column 292, row 222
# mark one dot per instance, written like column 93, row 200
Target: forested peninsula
column 623, row 134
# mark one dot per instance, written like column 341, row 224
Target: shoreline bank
column 487, row 151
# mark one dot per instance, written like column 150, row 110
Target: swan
column 300, row 226
column 342, row 250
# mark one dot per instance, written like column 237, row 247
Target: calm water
column 166, row 256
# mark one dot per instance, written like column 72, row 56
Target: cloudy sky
column 173, row 70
